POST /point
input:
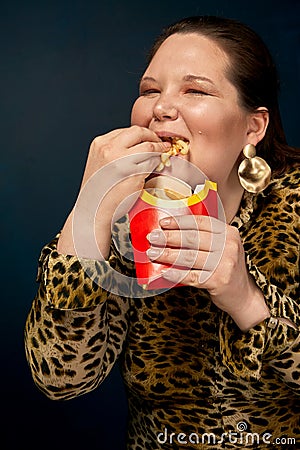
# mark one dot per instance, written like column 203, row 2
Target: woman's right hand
column 117, row 165
column 123, row 159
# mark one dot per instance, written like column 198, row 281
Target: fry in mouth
column 178, row 145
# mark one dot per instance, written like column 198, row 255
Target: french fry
column 173, row 195
column 178, row 145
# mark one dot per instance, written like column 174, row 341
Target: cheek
column 203, row 117
column 140, row 114
column 223, row 133
column 218, row 124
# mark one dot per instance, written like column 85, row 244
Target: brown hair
column 252, row 71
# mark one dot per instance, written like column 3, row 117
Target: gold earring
column 254, row 173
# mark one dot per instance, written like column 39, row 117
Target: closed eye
column 149, row 92
column 196, row 91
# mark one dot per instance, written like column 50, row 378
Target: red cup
column 149, row 210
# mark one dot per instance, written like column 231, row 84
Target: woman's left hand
column 211, row 256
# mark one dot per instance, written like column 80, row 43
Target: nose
column 165, row 109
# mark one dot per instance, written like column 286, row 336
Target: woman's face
column 185, row 92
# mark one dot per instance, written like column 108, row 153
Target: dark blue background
column 69, row 71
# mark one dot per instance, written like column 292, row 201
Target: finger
column 193, row 239
column 113, row 133
column 134, row 162
column 147, row 165
column 145, row 157
column 193, row 222
column 186, row 258
column 196, row 278
column 150, row 147
column 130, row 137
column 99, row 141
column 136, row 135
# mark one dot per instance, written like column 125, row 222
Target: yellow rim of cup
column 188, row 201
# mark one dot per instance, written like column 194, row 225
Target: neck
column 231, row 193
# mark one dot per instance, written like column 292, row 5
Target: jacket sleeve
column 76, row 328
column 274, row 343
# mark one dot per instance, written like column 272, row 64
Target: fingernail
column 167, row 144
column 155, row 236
column 153, row 252
column 165, row 222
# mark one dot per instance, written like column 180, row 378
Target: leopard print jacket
column 192, row 377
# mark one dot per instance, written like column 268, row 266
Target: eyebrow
column 197, row 78
column 188, row 77
column 147, row 79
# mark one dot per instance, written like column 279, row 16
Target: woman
column 200, row 362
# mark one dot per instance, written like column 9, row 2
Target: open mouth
column 179, row 145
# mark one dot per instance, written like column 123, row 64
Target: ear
column 257, row 125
